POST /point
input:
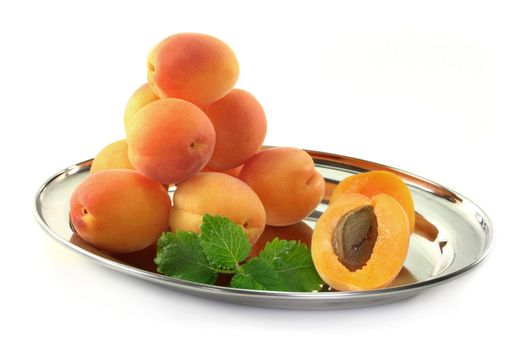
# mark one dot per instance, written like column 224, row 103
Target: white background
column 434, row 88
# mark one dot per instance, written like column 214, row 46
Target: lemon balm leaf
column 224, row 243
column 292, row 261
column 258, row 274
column 180, row 255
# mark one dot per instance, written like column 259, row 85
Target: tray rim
column 229, row 291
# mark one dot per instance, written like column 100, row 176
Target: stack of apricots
column 194, row 146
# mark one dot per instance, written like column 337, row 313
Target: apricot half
column 361, row 243
column 375, row 182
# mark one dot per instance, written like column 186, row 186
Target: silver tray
column 453, row 235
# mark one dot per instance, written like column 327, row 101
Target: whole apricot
column 240, row 128
column 195, row 67
column 141, row 97
column 287, row 183
column 217, row 194
column 120, row 211
column 113, row 156
column 170, row 140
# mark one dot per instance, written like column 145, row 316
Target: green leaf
column 224, row 242
column 257, row 274
column 180, row 255
column 292, row 261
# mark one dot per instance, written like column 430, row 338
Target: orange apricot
column 299, row 232
column 376, row 182
column 195, row 67
column 113, row 156
column 141, row 97
column 240, row 128
column 361, row 243
column 170, row 140
column 287, row 183
column 232, row 172
column 216, row 194
column 120, row 210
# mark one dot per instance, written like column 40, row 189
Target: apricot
column 141, row 97
column 240, row 128
column 113, row 156
column 195, row 67
column 361, row 243
column 216, row 194
column 119, row 210
column 233, row 172
column 299, row 232
column 170, row 140
column 376, row 182
column 287, row 183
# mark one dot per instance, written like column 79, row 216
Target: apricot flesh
column 170, row 140
column 120, row 210
column 217, row 194
column 113, row 156
column 287, row 183
column 389, row 250
column 375, row 182
column 195, row 67
column 240, row 128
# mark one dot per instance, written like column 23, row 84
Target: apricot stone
column 170, row 140
column 240, row 128
column 120, row 211
column 287, row 183
column 113, row 156
column 141, row 97
column 195, row 67
column 217, row 194
column 361, row 243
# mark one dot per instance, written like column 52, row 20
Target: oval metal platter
column 452, row 236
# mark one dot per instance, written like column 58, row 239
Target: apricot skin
column 113, row 156
column 389, row 252
column 170, row 140
column 240, row 128
column 195, row 67
column 141, row 97
column 287, row 183
column 217, row 194
column 119, row 211
column 375, row 182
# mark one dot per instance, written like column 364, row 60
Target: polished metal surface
column 453, row 236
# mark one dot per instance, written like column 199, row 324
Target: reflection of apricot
column 297, row 232
column 143, row 259
column 361, row 243
column 376, row 182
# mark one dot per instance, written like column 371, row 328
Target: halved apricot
column 375, row 182
column 361, row 243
